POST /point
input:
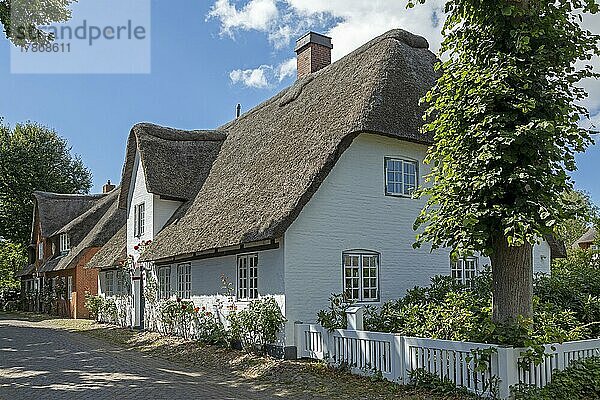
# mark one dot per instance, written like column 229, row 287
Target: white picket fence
column 394, row 356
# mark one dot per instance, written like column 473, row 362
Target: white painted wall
column 162, row 210
column 351, row 211
column 137, row 195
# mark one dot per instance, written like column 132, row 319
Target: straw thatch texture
column 113, row 253
column 113, row 219
column 587, row 238
column 56, row 210
column 175, row 162
column 276, row 155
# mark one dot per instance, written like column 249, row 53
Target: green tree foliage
column 585, row 212
column 504, row 114
column 33, row 157
column 12, row 258
column 22, row 19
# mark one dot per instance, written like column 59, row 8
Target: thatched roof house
column 55, row 210
column 587, row 239
column 275, row 156
column 97, row 232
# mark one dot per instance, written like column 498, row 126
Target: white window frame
column 397, row 178
column 40, row 250
column 247, row 277
column 65, row 243
column 164, row 282
column 110, row 284
column 184, row 281
column 463, row 270
column 357, row 281
column 139, row 219
column 70, row 287
column 120, row 280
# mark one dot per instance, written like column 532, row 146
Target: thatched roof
column 56, row 210
column 587, row 238
column 113, row 253
column 175, row 162
column 27, row 270
column 107, row 226
column 51, row 264
column 79, row 227
column 276, row 155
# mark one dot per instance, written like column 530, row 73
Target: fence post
column 355, row 318
column 398, row 359
column 507, row 371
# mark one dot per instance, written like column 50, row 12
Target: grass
column 290, row 376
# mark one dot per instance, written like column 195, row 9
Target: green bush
column 94, row 304
column 257, row 325
column 448, row 310
column 574, row 285
column 579, row 381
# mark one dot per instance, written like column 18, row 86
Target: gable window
column 464, row 270
column 361, row 275
column 65, row 243
column 164, row 282
column 401, row 177
column 139, row 215
column 110, row 284
column 40, row 250
column 247, row 277
column 184, row 281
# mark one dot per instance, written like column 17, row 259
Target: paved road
column 38, row 362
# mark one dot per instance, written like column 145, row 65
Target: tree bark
column 512, row 273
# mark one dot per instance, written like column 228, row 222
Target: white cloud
column 263, row 76
column 255, row 78
column 350, row 23
column 286, row 68
column 256, row 14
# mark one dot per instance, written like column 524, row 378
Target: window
column 464, row 270
column 184, row 281
column 139, row 214
column 69, row 287
column 361, row 275
column 247, row 277
column 65, row 243
column 400, row 177
column 40, row 250
column 164, row 282
column 110, row 284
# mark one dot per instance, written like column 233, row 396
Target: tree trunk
column 512, row 273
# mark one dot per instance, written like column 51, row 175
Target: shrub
column 176, row 317
column 94, row 304
column 209, row 328
column 574, row 285
column 579, row 381
column 448, row 310
column 257, row 325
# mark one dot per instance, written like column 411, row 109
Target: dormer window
column 139, row 213
column 64, row 243
column 401, row 177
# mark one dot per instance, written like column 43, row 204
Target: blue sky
column 207, row 56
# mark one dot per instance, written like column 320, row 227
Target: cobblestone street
column 38, row 362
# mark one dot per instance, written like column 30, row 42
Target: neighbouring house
column 307, row 194
column 587, row 240
column 61, row 245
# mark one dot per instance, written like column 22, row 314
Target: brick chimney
column 107, row 187
column 313, row 53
